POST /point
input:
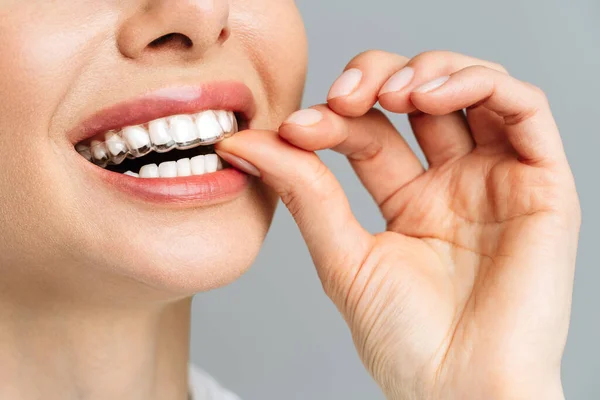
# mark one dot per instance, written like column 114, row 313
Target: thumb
column 337, row 243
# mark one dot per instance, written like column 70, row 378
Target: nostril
column 225, row 33
column 175, row 40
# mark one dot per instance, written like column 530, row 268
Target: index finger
column 380, row 156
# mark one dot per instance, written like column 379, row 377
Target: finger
column 487, row 128
column 313, row 196
column 378, row 153
column 394, row 96
column 528, row 122
column 354, row 93
column 442, row 138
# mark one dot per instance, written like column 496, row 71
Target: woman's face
column 74, row 68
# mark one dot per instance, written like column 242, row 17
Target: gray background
column 273, row 334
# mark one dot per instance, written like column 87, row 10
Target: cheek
column 276, row 42
column 42, row 50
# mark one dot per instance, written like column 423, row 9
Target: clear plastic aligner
column 178, row 132
column 99, row 152
column 84, row 150
column 117, row 148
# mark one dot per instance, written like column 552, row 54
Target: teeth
column 149, row 171
column 116, row 146
column 208, row 126
column 84, row 150
column 160, row 136
column 227, row 121
column 197, row 163
column 183, row 131
column 167, row 169
column 211, row 163
column 138, row 140
column 99, row 153
column 184, row 167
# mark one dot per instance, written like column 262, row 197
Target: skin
column 466, row 295
column 87, row 273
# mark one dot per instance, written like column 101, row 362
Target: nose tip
column 187, row 28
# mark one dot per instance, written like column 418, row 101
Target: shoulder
column 205, row 387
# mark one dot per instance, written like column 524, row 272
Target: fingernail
column 346, row 83
column 432, row 85
column 398, row 81
column 306, row 117
column 239, row 163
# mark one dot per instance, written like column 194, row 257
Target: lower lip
column 213, row 188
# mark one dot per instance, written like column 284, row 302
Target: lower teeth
column 198, row 165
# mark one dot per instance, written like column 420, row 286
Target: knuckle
column 314, row 180
column 479, row 69
column 535, row 101
column 289, row 198
column 376, row 142
column 445, row 58
column 318, row 182
column 313, row 187
column 375, row 55
column 540, row 94
column 498, row 67
column 428, row 56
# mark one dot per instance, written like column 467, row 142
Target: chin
column 172, row 254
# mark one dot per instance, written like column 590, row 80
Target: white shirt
column 205, row 387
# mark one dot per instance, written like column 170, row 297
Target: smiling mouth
column 175, row 146
column 158, row 147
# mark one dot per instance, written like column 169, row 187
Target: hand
column 467, row 293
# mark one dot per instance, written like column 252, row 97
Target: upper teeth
column 161, row 135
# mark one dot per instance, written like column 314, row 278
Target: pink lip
column 206, row 189
column 228, row 96
column 201, row 190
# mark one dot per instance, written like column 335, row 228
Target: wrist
column 550, row 389
column 547, row 389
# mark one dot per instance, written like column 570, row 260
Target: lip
column 191, row 191
column 227, row 96
column 202, row 190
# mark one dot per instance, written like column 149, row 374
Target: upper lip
column 164, row 102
